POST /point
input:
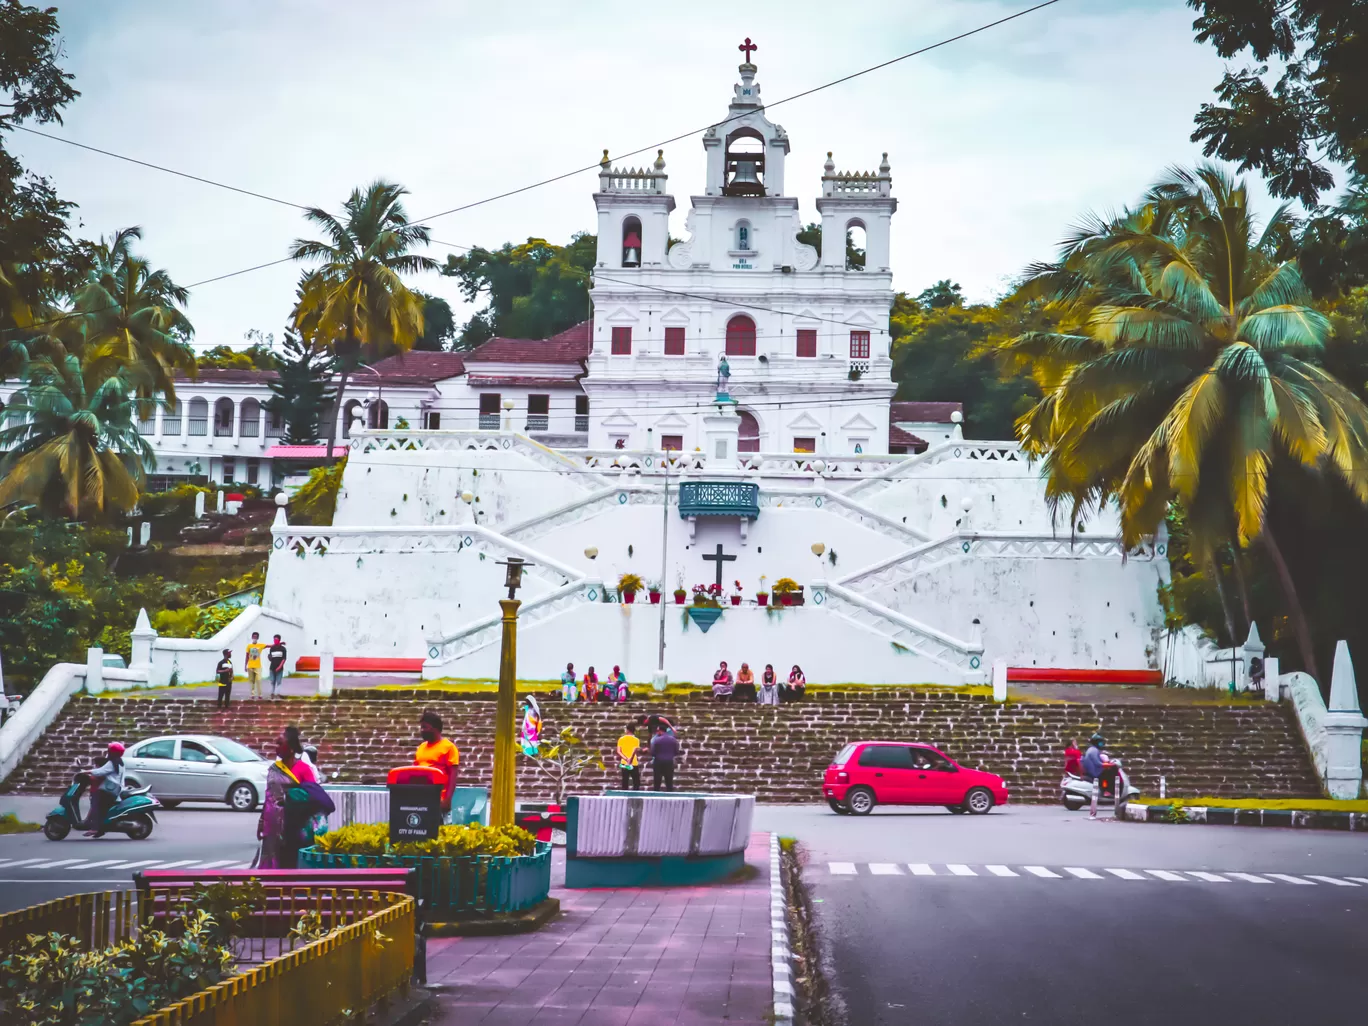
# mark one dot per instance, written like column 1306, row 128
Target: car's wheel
column 978, row 801
column 837, row 807
column 167, row 803
column 140, row 828
column 957, row 808
column 56, row 828
column 860, row 801
column 1073, row 804
column 242, row 797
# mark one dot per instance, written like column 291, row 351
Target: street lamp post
column 505, row 751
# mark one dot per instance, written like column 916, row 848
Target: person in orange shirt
column 438, row 752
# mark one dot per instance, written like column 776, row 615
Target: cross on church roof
column 746, row 48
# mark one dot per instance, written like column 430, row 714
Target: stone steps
column 779, row 754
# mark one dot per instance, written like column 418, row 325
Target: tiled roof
column 570, row 346
column 901, row 436
column 923, row 413
column 416, row 367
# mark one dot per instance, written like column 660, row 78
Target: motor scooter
column 133, row 814
column 1077, row 791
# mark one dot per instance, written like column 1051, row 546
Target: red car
column 869, row 773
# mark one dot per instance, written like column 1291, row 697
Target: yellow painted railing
column 347, row 971
column 97, row 920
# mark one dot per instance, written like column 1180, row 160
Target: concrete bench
column 644, row 839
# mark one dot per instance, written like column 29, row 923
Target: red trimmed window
column 740, row 336
column 859, row 345
column 674, row 341
column 672, row 443
column 622, row 341
column 805, row 445
column 807, row 342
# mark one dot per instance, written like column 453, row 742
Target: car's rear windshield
column 234, row 752
column 843, row 755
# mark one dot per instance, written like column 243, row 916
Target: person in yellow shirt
column 253, row 664
column 628, row 750
column 438, row 752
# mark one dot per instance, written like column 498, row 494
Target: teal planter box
column 704, row 616
column 452, row 888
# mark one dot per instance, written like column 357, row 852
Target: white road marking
column 105, row 863
column 1164, row 874
column 1358, row 879
column 144, row 863
column 1330, row 880
column 959, row 870
column 921, row 869
column 177, row 865
column 1000, row 871
column 885, row 869
column 221, row 864
column 1290, row 879
column 72, row 880
column 1126, row 874
column 841, row 868
column 1249, row 878
column 1041, row 871
column 1083, row 874
column 1208, row 877
column 22, row 862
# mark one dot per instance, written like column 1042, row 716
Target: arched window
column 223, row 417
column 378, row 415
column 749, row 440
column 251, row 418
column 743, row 236
column 855, row 246
column 348, row 414
column 740, row 336
column 631, row 242
column 199, row 416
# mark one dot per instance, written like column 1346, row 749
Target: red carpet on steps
column 361, row 664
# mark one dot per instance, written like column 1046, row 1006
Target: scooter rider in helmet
column 108, row 784
column 1097, row 769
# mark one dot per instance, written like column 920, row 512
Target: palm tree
column 129, row 320
column 1182, row 369
column 355, row 301
column 72, row 440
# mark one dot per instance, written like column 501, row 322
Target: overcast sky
column 997, row 142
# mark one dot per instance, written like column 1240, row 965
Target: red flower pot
column 762, row 599
column 680, row 596
column 736, row 600
column 786, row 598
column 655, row 598
column 629, row 597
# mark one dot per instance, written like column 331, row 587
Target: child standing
column 224, row 672
column 1072, row 759
column 628, row 753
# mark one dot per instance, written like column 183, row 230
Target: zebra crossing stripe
column 1358, row 879
column 884, row 869
column 1208, row 877
column 143, row 863
column 1290, row 879
column 959, row 870
column 1126, row 874
column 841, row 868
column 1164, row 874
column 177, row 865
column 22, row 862
column 106, row 862
column 1000, row 871
column 1249, row 877
column 221, row 864
column 1041, row 871
column 1331, row 880
column 921, row 869
column 1083, row 874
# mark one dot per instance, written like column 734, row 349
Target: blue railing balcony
column 719, row 499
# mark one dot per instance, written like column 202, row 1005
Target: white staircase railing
column 840, row 504
column 622, row 494
column 442, row 651
column 955, row 449
column 364, row 441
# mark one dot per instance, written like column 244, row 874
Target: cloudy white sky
column 997, row 143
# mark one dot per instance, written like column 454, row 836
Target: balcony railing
column 248, row 429
column 171, row 425
column 581, row 422
column 199, row 426
column 538, row 421
column 147, row 427
column 222, row 430
column 489, row 422
column 719, row 499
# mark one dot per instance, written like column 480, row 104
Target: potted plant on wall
column 762, row 596
column 707, row 605
column 784, row 589
column 628, row 586
column 736, row 598
column 654, row 589
column 679, row 593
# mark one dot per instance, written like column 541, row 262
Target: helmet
column 115, row 748
column 1098, row 740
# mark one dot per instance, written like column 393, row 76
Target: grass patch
column 12, row 824
column 1296, row 804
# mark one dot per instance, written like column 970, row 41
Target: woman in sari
column 769, row 687
column 281, row 827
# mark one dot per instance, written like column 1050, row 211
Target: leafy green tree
column 1314, row 114
column 1183, row 368
column 439, row 326
column 356, row 300
column 532, row 291
column 130, row 320
column 811, row 235
column 1332, row 245
column 254, row 357
column 302, row 392
column 72, row 442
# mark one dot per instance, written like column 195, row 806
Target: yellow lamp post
column 505, row 750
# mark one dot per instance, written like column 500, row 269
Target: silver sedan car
column 198, row 768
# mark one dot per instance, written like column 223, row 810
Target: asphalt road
column 34, row 869
column 1034, row 914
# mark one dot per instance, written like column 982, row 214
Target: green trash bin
column 469, row 805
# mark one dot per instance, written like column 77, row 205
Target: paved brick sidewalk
column 620, row 957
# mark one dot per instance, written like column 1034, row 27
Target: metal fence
column 96, row 920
